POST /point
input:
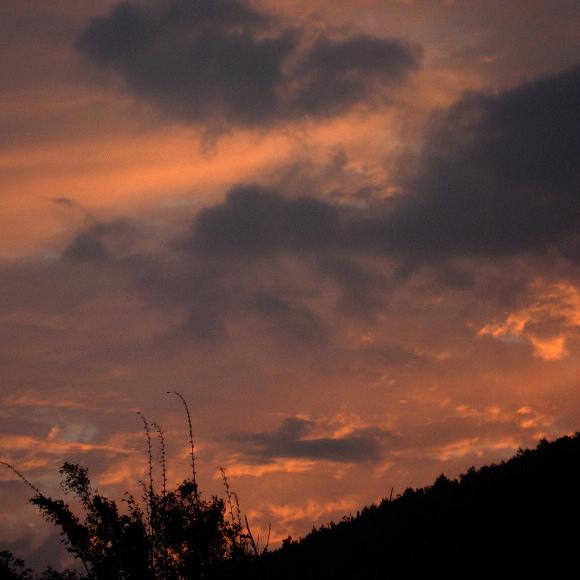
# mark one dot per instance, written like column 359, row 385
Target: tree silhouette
column 171, row 534
column 12, row 568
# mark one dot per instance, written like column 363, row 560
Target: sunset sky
column 347, row 232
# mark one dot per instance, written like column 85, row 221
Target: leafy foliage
column 171, row 534
column 12, row 568
column 182, row 537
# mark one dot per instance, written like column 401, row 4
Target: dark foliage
column 170, row 534
column 180, row 536
column 51, row 574
column 12, row 568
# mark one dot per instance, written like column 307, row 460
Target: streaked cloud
column 296, row 438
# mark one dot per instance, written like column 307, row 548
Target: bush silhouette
column 170, row 534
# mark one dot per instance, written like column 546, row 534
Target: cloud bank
column 496, row 178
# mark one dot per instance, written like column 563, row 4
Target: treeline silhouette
column 515, row 519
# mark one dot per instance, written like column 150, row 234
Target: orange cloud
column 237, row 468
column 547, row 324
column 52, row 446
column 312, row 510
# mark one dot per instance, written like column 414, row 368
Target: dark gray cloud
column 363, row 289
column 64, row 201
column 290, row 318
column 498, row 174
column 215, row 61
column 338, row 73
column 293, row 439
column 256, row 222
column 103, row 242
column 497, row 178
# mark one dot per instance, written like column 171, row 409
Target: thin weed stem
column 229, row 493
column 22, row 477
column 163, row 523
column 184, row 402
column 149, row 453
column 162, row 458
column 150, row 503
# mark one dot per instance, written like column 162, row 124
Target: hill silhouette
column 510, row 520
column 517, row 519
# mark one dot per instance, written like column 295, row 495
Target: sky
column 348, row 233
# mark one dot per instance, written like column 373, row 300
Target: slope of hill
column 515, row 519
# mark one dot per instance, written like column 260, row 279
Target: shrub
column 172, row 534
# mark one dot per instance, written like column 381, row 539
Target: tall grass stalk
column 192, row 453
column 163, row 514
